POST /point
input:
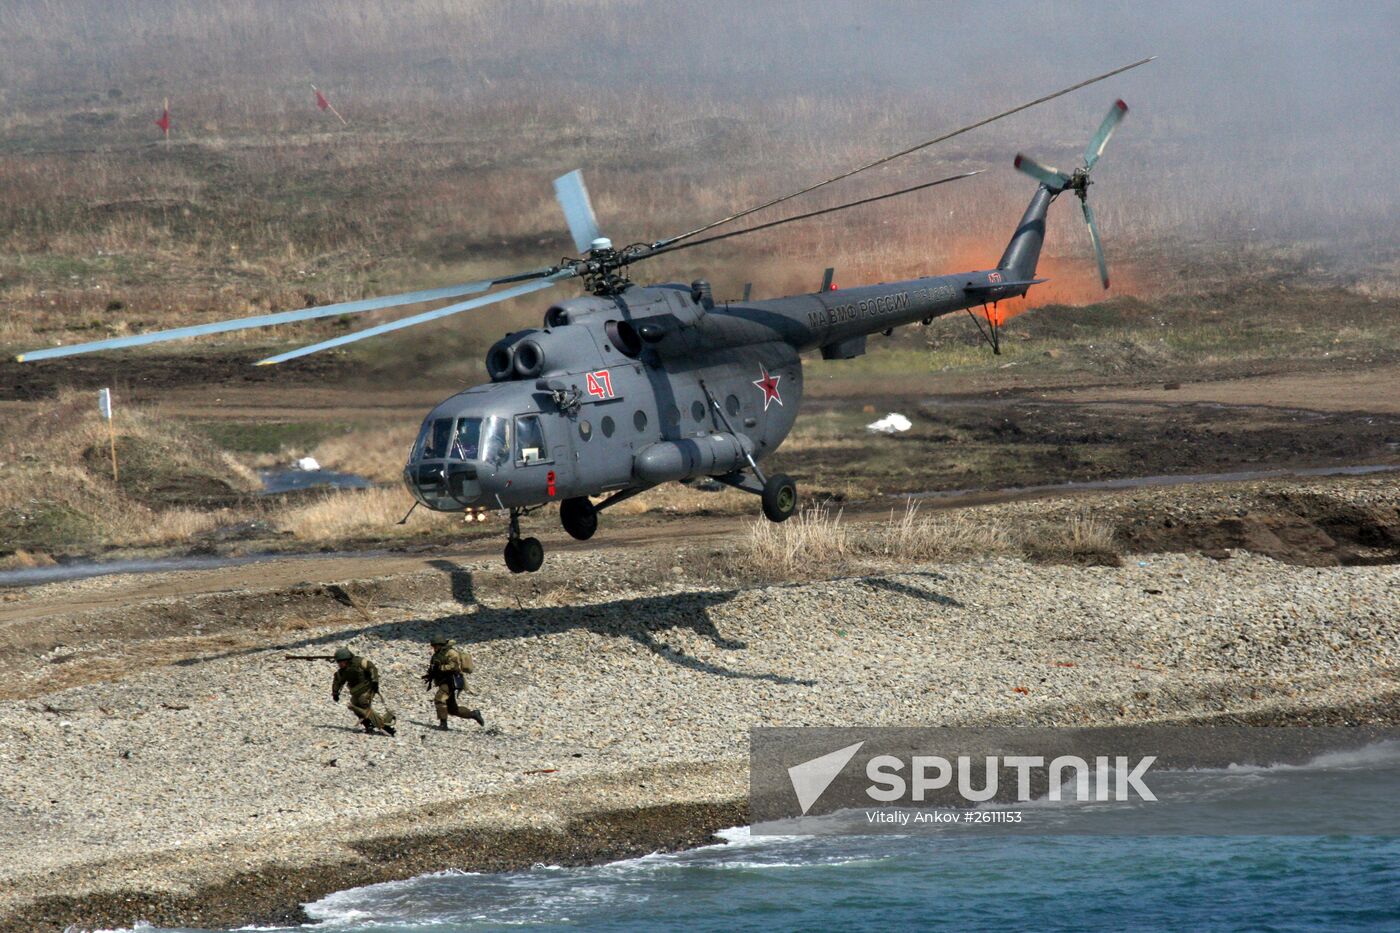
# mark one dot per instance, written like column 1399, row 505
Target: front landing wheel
column 531, row 554
column 779, row 498
column 512, row 555
column 524, row 555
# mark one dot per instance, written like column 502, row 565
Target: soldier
column 447, row 672
column 361, row 678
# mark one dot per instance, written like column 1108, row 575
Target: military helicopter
column 631, row 386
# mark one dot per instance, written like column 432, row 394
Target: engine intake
column 500, row 361
column 529, row 359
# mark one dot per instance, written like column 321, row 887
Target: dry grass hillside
column 174, row 488
column 59, row 489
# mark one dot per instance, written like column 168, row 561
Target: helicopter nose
column 444, row 486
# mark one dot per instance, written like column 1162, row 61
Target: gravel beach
column 165, row 762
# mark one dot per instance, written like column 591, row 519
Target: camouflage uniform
column 361, row 678
column 446, row 671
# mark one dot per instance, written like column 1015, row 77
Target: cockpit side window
column 432, row 443
column 495, row 440
column 417, row 452
column 529, row 440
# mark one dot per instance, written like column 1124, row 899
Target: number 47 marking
column 600, row 384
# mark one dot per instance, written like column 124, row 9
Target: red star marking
column 769, row 385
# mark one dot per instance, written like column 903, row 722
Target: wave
column 1382, row 753
column 551, row 894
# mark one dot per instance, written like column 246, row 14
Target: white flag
column 104, row 404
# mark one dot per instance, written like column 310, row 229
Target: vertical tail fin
column 1023, row 252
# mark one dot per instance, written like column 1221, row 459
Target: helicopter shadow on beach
column 644, row 620
column 641, row 619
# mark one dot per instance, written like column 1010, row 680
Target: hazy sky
column 1286, row 106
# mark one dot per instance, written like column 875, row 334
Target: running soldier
column 361, row 678
column 447, row 671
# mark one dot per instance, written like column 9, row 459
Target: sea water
column 868, row 883
column 954, row 880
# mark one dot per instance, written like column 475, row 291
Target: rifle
column 310, row 657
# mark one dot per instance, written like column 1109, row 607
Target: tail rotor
column 1078, row 182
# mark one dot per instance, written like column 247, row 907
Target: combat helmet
column 440, row 641
column 344, row 654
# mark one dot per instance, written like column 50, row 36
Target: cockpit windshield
column 484, row 439
column 465, row 443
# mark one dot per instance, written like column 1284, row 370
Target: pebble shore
column 227, row 786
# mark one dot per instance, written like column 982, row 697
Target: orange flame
column 1073, row 280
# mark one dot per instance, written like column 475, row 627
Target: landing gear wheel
column 530, row 553
column 779, row 498
column 513, row 556
column 579, row 517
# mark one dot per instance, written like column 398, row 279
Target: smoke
column 1260, row 122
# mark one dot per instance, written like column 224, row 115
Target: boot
column 390, row 730
column 476, row 714
column 442, row 724
column 369, row 728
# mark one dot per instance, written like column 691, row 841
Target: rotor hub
column 1079, row 183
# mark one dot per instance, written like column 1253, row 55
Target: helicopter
column 628, row 386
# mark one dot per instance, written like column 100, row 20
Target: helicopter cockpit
column 453, row 455
column 444, row 466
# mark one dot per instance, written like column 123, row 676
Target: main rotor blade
column 825, row 210
column 902, row 153
column 578, row 209
column 423, row 318
column 1098, row 245
column 1106, row 128
column 280, row 317
column 1052, row 178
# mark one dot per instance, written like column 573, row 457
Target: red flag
column 164, row 121
column 324, row 103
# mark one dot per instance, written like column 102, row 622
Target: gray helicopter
column 629, row 386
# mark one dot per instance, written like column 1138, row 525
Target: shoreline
column 275, row 893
